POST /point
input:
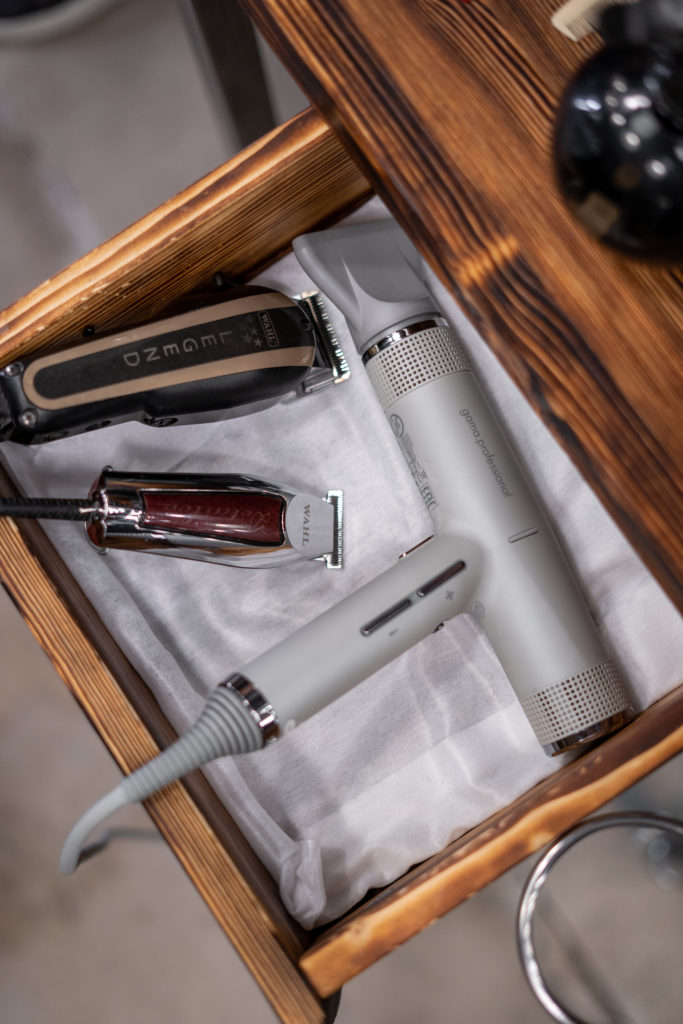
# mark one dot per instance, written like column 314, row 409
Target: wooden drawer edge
column 237, row 219
column 429, row 891
column 469, row 177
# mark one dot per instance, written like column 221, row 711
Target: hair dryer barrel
column 527, row 598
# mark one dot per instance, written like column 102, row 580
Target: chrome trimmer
column 230, row 519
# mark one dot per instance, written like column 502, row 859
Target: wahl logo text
column 306, row 537
column 269, row 330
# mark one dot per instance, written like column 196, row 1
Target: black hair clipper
column 224, row 354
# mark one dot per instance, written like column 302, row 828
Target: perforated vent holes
column 414, row 361
column 576, row 703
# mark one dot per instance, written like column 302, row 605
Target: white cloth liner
column 427, row 747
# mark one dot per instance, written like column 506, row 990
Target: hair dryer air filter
column 580, row 709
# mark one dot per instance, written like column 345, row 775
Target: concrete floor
column 96, row 128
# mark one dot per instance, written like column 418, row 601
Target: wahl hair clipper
column 213, row 356
column 230, row 519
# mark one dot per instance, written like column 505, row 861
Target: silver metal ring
column 401, row 333
column 538, row 877
column 256, row 704
column 590, row 734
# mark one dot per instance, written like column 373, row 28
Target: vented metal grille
column 414, row 361
column 576, row 703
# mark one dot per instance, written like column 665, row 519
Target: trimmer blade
column 333, row 560
column 330, row 366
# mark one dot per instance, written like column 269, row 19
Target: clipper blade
column 330, row 365
column 333, row 560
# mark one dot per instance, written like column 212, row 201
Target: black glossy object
column 619, row 149
column 209, row 356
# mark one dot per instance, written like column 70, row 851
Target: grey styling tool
column 229, row 519
column 492, row 545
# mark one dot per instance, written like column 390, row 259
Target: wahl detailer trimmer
column 492, row 544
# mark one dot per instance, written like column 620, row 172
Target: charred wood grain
column 236, row 219
column 449, row 107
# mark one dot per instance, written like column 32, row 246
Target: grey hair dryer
column 492, row 545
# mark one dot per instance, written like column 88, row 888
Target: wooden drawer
column 238, row 219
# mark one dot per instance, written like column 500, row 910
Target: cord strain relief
column 223, row 727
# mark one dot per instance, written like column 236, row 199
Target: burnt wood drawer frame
column 238, row 219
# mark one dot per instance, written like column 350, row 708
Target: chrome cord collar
column 256, row 704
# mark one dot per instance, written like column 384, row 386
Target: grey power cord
column 103, row 841
column 226, row 725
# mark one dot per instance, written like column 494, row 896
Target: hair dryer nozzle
column 372, row 273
